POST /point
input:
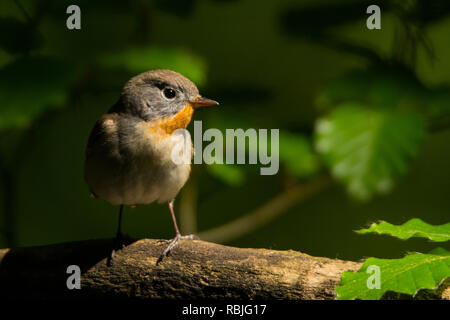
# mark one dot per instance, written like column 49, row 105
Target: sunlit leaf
column 406, row 275
column 366, row 149
column 297, row 155
column 30, row 86
column 411, row 228
column 139, row 59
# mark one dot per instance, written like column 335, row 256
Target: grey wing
column 103, row 157
column 104, row 136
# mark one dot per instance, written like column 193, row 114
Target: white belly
column 159, row 174
column 147, row 173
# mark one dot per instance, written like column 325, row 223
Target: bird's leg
column 178, row 236
column 118, row 241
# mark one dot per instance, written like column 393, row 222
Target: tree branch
column 195, row 270
column 267, row 212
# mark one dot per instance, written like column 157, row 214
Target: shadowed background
column 268, row 63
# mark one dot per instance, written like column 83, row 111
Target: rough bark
column 195, row 270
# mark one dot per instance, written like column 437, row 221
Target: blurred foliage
column 30, row 86
column 9, row 144
column 306, row 20
column 368, row 149
column 232, row 175
column 407, row 275
column 181, row 8
column 30, row 38
column 411, row 228
column 137, row 59
column 375, row 126
column 385, row 88
column 318, row 23
column 439, row 103
column 422, row 12
column 375, row 87
column 296, row 153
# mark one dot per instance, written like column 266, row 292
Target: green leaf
column 229, row 174
column 30, row 86
column 412, row 228
column 139, row 59
column 367, row 150
column 296, row 153
column 406, row 275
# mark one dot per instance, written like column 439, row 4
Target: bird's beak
column 202, row 102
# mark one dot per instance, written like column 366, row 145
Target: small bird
column 128, row 156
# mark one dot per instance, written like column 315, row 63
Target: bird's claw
column 172, row 243
column 118, row 244
column 188, row 237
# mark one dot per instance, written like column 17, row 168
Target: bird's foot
column 118, row 244
column 172, row 243
column 110, row 258
column 188, row 237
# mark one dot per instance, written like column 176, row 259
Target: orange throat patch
column 179, row 121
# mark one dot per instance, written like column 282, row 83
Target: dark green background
column 259, row 73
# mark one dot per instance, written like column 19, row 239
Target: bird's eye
column 169, row 93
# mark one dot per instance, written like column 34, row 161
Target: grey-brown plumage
column 128, row 157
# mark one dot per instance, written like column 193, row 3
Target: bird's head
column 160, row 94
